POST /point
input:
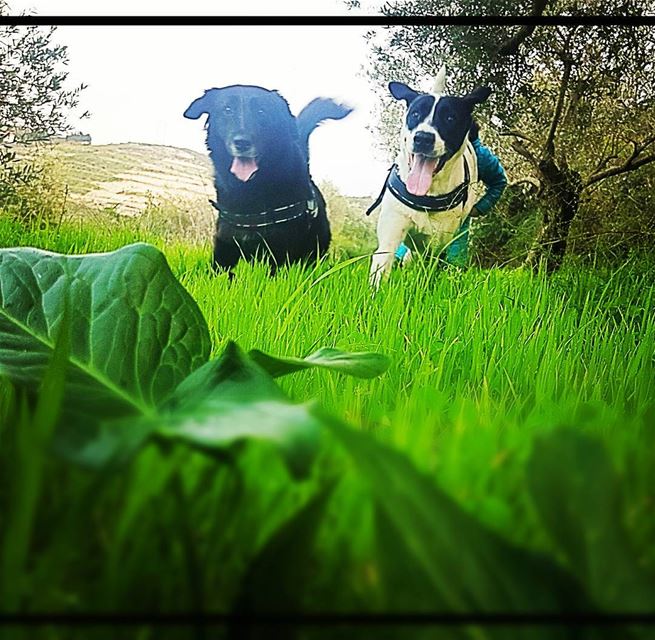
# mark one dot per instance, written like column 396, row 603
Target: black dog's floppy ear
column 478, row 95
column 198, row 106
column 401, row 91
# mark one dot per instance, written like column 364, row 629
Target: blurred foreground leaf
column 232, row 399
column 278, row 578
column 137, row 368
column 578, row 495
column 434, row 557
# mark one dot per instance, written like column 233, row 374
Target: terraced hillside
column 169, row 190
column 127, row 177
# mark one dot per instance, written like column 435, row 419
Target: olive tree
column 34, row 101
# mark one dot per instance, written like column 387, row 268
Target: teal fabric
column 491, row 172
column 401, row 250
column 457, row 252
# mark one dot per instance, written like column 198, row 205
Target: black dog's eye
column 261, row 112
column 450, row 118
column 227, row 110
column 415, row 114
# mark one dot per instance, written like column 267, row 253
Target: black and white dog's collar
column 427, row 204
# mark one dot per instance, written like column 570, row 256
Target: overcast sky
column 141, row 79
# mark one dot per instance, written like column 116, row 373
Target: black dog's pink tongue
column 243, row 168
column 420, row 174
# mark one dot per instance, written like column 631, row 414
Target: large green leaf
column 279, row 577
column 578, row 495
column 223, row 403
column 137, row 365
column 462, row 565
column 231, row 399
column 358, row 364
column 135, row 333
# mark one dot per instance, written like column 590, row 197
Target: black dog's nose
column 241, row 143
column 424, row 140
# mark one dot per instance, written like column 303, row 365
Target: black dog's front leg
column 226, row 252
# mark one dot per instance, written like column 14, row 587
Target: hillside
column 173, row 187
column 127, row 177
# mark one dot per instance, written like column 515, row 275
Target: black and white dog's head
column 434, row 129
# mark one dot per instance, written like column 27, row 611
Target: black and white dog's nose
column 241, row 143
column 424, row 142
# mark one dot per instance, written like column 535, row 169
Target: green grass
column 483, row 362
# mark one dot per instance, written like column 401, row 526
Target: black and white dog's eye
column 261, row 112
column 450, row 118
column 227, row 110
column 414, row 114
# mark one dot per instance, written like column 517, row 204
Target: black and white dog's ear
column 198, row 106
column 401, row 91
column 478, row 95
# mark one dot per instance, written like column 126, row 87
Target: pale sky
column 141, row 79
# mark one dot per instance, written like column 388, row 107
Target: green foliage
column 34, row 102
column 32, row 440
column 34, row 105
column 120, row 391
column 460, row 565
column 176, row 221
column 599, row 551
column 615, row 218
column 231, row 399
column 352, row 232
column 116, row 297
column 458, row 492
column 361, row 365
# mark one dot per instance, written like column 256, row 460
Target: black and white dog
column 429, row 187
column 268, row 205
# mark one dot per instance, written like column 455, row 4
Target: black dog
column 267, row 204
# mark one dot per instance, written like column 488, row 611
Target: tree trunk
column 562, row 188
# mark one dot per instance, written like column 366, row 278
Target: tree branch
column 603, row 163
column 523, row 151
column 533, row 182
column 517, row 134
column 549, row 146
column 511, row 45
column 630, row 165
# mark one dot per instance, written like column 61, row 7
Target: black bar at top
column 341, row 20
column 329, row 619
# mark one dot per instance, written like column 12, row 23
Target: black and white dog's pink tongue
column 243, row 168
column 420, row 174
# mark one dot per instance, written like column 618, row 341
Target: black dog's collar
column 270, row 216
column 426, row 204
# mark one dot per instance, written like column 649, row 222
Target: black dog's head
column 247, row 123
column 434, row 129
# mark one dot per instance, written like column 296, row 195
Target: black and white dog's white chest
column 429, row 188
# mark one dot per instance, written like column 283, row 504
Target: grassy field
column 484, row 365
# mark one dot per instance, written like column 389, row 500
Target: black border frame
column 293, row 619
